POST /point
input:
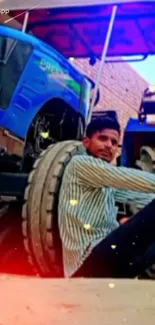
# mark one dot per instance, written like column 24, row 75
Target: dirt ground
column 32, row 301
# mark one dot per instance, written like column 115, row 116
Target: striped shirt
column 87, row 210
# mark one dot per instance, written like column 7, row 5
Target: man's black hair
column 99, row 124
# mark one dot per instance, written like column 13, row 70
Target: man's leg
column 121, row 253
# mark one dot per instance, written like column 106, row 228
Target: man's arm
column 96, row 173
column 139, row 199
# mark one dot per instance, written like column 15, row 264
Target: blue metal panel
column 47, row 75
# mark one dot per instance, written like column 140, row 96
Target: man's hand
column 123, row 220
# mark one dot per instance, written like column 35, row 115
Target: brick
column 121, row 87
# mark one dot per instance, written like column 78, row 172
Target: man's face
column 103, row 144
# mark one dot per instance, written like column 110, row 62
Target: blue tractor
column 41, row 93
column 44, row 100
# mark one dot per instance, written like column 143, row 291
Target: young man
column 94, row 244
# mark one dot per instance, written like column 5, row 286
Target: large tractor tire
column 40, row 211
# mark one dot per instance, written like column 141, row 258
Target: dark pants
column 127, row 251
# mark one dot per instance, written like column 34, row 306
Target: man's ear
column 85, row 142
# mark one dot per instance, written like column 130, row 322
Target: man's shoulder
column 71, row 166
column 81, row 158
column 75, row 159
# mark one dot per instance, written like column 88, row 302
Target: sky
column 146, row 69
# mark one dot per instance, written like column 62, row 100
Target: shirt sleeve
column 140, row 199
column 94, row 172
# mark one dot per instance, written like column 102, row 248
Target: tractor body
column 41, row 93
